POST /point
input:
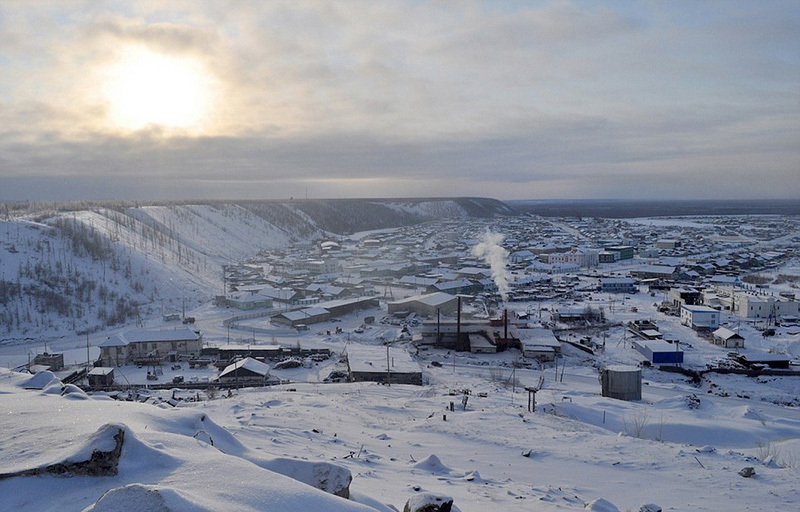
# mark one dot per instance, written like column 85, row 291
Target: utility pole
column 388, row 371
column 88, row 358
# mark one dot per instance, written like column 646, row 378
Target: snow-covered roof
column 178, row 334
column 538, row 336
column 659, row 346
column 698, row 308
column 725, row 333
column 249, row 364
column 303, row 314
column 429, row 299
column 101, row 370
column 372, row 359
column 616, row 280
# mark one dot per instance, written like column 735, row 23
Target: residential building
column 617, row 285
column 624, row 252
column 608, row 257
column 150, row 346
column 680, row 296
column 748, row 305
column 700, row 318
column 582, row 258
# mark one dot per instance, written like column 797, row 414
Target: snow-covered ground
column 399, row 440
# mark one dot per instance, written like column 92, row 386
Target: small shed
column 53, row 362
column 727, row 338
column 621, row 382
column 659, row 352
column 101, row 376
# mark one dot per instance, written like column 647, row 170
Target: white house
column 580, row 257
column 700, row 318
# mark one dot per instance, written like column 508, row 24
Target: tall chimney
column 505, row 324
column 458, row 324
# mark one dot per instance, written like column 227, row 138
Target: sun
column 144, row 88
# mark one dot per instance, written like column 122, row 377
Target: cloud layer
column 510, row 100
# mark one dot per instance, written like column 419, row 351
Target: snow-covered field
column 398, row 441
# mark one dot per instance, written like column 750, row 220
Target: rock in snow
column 650, row 507
column 747, row 472
column 142, row 498
column 429, row 502
column 322, row 475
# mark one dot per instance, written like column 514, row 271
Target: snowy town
column 551, row 317
column 700, row 295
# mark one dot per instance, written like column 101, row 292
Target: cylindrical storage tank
column 622, row 382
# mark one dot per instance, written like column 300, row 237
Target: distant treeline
column 660, row 208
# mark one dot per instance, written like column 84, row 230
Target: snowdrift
column 159, row 459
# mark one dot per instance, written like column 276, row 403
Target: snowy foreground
column 577, row 451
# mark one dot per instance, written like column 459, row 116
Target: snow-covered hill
column 68, row 269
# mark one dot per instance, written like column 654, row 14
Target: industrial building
column 659, row 352
column 382, row 364
column 425, row 305
column 304, row 316
column 539, row 343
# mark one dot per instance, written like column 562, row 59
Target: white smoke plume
column 493, row 253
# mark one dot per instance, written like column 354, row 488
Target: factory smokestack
column 505, row 324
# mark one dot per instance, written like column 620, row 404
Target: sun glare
column 145, row 88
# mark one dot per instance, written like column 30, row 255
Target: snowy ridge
column 225, row 232
column 432, row 209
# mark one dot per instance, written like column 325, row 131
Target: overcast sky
column 512, row 100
